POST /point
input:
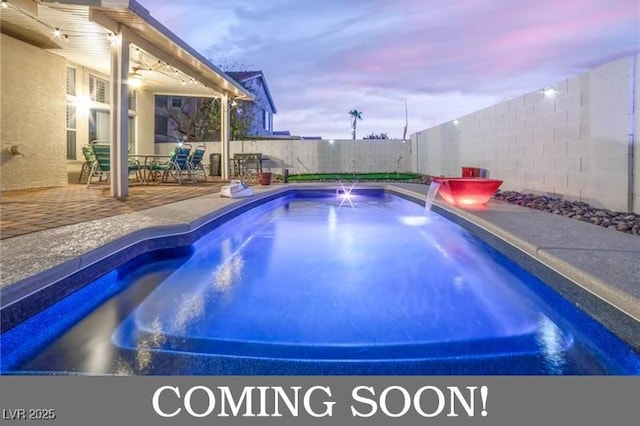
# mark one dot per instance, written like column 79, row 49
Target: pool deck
column 604, row 262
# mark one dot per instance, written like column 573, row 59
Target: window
column 176, row 102
column 161, row 101
column 132, row 134
column 99, row 90
column 99, row 127
column 131, row 100
column 99, row 123
column 71, row 81
column 161, row 125
column 71, row 132
column 265, row 119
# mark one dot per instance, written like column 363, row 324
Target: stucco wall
column 261, row 103
column 33, row 110
column 145, row 122
column 321, row 156
column 636, row 128
column 573, row 144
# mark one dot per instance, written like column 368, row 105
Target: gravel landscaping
column 619, row 221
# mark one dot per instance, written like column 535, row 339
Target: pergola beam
column 108, row 23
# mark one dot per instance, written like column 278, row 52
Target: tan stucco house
column 75, row 71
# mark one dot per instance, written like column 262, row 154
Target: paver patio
column 26, row 211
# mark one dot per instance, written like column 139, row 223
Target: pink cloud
column 446, row 57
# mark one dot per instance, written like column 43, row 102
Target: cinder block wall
column 636, row 129
column 322, row 156
column 33, row 109
column 573, row 144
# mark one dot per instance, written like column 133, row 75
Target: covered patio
column 32, row 210
column 101, row 64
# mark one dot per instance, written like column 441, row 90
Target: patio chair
column 176, row 165
column 102, row 164
column 195, row 162
column 89, row 159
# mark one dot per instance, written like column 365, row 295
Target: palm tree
column 356, row 115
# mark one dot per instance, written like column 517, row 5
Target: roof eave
column 266, row 89
column 235, row 89
column 143, row 13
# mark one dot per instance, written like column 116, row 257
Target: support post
column 119, row 172
column 225, row 136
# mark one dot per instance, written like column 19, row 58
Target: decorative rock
column 622, row 222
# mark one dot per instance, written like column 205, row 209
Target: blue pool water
column 322, row 285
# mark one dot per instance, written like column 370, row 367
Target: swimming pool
column 317, row 283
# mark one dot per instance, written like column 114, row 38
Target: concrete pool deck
column 603, row 262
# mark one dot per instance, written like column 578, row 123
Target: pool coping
column 183, row 223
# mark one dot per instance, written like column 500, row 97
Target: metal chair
column 102, row 163
column 89, row 159
column 177, row 164
column 195, row 162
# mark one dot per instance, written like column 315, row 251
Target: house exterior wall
column 33, row 111
column 572, row 145
column 320, row 156
column 143, row 113
column 262, row 103
column 145, row 122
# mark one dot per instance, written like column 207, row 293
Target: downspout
column 631, row 135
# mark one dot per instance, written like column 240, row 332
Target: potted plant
column 264, row 178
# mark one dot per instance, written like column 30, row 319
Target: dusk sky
column 324, row 58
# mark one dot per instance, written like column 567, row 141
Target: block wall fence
column 321, row 156
column 577, row 143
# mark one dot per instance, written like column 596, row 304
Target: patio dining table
column 146, row 161
column 243, row 162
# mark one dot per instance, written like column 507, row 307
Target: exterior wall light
column 135, row 80
column 16, row 149
column 83, row 103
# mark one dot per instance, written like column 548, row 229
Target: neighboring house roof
column 312, row 137
column 281, row 133
column 244, row 76
column 240, row 76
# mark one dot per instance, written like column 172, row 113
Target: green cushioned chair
column 102, row 163
column 177, row 164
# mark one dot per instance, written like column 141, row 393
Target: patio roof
column 166, row 63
